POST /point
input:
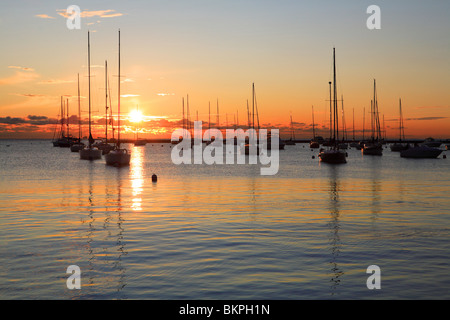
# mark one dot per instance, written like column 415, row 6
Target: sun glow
column 136, row 116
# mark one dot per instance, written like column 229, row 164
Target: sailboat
column 291, row 140
column 139, row 142
column 343, row 144
column 90, row 152
column 396, row 147
column 314, row 144
column 333, row 154
column 119, row 156
column 104, row 145
column 374, row 147
column 77, row 146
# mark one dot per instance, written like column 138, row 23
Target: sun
column 136, row 116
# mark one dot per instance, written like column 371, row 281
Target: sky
column 213, row 51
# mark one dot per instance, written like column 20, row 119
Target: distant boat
column 333, row 155
column 89, row 152
column 119, row 156
column 103, row 144
column 421, row 152
column 291, row 141
column 77, row 146
column 354, row 144
column 397, row 147
column 374, row 147
column 430, row 142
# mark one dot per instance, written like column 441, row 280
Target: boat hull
column 90, row 154
column 314, row 145
column 77, row 147
column 333, row 156
column 373, row 150
column 118, row 158
column 397, row 147
column 421, row 153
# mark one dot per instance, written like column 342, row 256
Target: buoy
column 444, row 156
column 346, row 154
column 154, row 178
column 313, row 157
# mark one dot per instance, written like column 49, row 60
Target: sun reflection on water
column 136, row 177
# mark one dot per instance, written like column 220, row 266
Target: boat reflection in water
column 105, row 243
column 334, row 225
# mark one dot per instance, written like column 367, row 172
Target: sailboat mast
column 314, row 129
column 67, row 123
column 353, row 124
column 364, row 122
column 331, row 118
column 106, row 101
column 336, row 120
column 79, row 111
column 89, row 80
column 118, row 103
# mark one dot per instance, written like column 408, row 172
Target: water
column 221, row 232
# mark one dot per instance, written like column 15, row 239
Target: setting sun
column 136, row 116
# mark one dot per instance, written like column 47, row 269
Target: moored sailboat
column 333, row 155
column 90, row 152
column 374, row 147
column 396, row 147
column 119, row 156
column 77, row 146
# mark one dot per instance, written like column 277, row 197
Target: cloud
column 52, row 81
column 426, row 118
column 21, row 75
column 129, row 95
column 21, row 68
column 165, row 94
column 44, row 16
column 89, row 14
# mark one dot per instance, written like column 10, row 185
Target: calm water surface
column 221, row 232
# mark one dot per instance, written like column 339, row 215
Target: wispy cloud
column 89, row 14
column 129, row 95
column 426, row 118
column 53, row 81
column 21, row 68
column 165, row 94
column 22, row 74
column 44, row 16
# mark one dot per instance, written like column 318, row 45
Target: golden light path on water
column 136, row 176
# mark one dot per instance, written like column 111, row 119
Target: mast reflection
column 334, row 224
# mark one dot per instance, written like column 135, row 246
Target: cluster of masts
column 114, row 154
column 334, row 154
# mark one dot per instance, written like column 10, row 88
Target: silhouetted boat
column 333, row 155
column 119, row 156
column 430, row 142
column 397, row 147
column 291, row 140
column 420, row 152
column 374, row 146
column 77, row 146
column 89, row 152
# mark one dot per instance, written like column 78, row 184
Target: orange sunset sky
column 214, row 51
